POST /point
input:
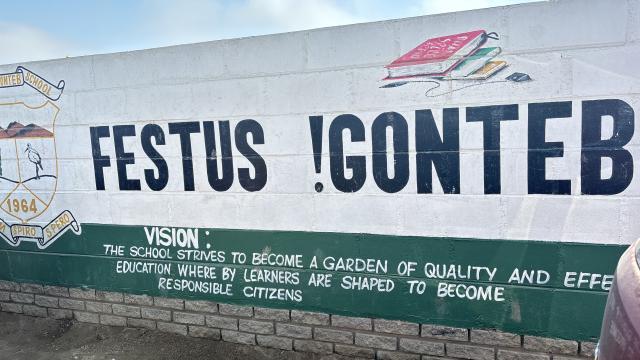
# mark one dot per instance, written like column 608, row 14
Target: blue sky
column 41, row 29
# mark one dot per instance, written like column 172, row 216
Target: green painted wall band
column 478, row 268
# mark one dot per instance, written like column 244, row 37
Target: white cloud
column 296, row 15
column 188, row 21
column 443, row 6
column 174, row 22
column 21, row 43
column 202, row 20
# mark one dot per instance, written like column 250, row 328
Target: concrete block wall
column 292, row 330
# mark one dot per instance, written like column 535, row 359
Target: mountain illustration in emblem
column 23, row 158
column 16, row 130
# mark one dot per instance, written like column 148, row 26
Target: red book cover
column 437, row 55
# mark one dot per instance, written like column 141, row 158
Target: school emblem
column 29, row 164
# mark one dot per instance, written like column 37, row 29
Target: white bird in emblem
column 34, row 157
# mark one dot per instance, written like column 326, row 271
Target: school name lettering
column 605, row 161
column 152, row 136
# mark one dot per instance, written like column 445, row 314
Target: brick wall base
column 284, row 329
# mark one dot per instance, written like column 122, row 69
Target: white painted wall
column 574, row 50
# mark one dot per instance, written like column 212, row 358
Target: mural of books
column 453, row 57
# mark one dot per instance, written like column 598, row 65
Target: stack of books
column 453, row 57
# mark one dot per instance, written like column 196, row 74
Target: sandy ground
column 25, row 337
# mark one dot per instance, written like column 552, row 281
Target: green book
column 473, row 62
